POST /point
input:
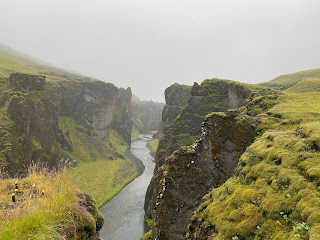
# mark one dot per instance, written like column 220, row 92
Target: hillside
column 304, row 81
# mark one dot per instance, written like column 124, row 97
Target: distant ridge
column 299, row 82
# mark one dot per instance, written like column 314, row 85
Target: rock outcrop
column 29, row 125
column 192, row 171
column 177, row 97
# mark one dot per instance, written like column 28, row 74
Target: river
column 124, row 213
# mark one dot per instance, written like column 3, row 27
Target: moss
column 147, row 236
column 153, row 145
column 281, row 169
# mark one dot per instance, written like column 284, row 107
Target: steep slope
column 304, row 81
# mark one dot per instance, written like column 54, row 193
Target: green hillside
column 299, row 82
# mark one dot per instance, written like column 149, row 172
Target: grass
column 153, row 145
column 275, row 192
column 103, row 179
column 304, row 81
column 36, row 215
column 102, row 169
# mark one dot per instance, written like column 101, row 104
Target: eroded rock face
column 193, row 171
column 122, row 119
column 95, row 107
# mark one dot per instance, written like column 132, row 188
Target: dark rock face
column 122, row 119
column 193, row 171
column 211, row 96
column 177, row 97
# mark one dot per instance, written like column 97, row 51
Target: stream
column 124, row 213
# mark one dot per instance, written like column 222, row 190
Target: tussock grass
column 36, row 214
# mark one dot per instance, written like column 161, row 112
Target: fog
column 151, row 44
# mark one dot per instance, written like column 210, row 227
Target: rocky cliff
column 183, row 116
column 29, row 126
column 192, row 171
column 32, row 109
column 177, row 97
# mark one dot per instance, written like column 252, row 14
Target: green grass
column 275, row 189
column 103, row 179
column 102, row 169
column 304, row 81
column 34, row 215
column 153, row 145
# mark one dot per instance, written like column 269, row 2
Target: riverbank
column 124, row 213
column 136, row 161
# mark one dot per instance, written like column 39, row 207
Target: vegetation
column 102, row 170
column 43, row 208
column 153, row 145
column 275, row 192
column 305, row 81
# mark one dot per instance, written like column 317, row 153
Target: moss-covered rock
column 28, row 124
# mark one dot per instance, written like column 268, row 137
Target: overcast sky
column 151, row 44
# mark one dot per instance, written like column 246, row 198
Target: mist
column 148, row 45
